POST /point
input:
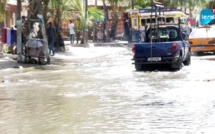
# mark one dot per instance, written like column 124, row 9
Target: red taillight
column 174, row 46
column 133, row 49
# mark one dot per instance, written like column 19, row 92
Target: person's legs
column 51, row 44
column 71, row 38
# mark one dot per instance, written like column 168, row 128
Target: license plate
column 154, row 59
column 200, row 47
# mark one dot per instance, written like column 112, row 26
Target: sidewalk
column 73, row 53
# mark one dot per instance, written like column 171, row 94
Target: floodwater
column 106, row 95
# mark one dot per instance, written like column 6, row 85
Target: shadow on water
column 203, row 53
column 156, row 68
column 11, row 63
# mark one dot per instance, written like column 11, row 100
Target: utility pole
column 19, row 31
column 86, row 25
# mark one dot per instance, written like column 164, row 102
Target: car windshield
column 202, row 33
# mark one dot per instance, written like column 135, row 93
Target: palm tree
column 94, row 25
column 211, row 4
column 93, row 13
column 58, row 12
column 45, row 9
column 116, row 6
column 192, row 4
column 2, row 10
column 142, row 4
column 105, row 10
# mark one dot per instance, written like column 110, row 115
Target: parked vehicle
column 136, row 20
column 202, row 40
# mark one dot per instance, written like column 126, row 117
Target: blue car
column 165, row 44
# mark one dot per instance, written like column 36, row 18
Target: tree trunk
column 114, row 22
column 105, row 26
column 32, row 14
column 94, row 25
column 86, row 25
column 19, row 34
column 45, row 10
column 58, row 28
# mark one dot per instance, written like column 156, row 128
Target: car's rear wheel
column 177, row 65
column 188, row 60
column 138, row 67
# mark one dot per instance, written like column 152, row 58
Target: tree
column 45, row 9
column 142, row 4
column 94, row 25
column 192, row 4
column 211, row 4
column 93, row 13
column 2, row 9
column 116, row 6
column 105, row 31
column 58, row 9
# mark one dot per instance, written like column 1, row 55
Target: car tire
column 48, row 59
column 41, row 58
column 138, row 67
column 187, row 62
column 178, row 64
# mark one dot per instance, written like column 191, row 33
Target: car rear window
column 162, row 35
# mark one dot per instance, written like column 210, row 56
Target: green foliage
column 67, row 6
column 2, row 9
column 173, row 3
column 94, row 13
column 142, row 3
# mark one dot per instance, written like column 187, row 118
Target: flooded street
column 104, row 94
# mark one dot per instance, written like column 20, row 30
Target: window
column 169, row 20
column 143, row 22
column 151, row 20
column 162, row 34
column 134, row 22
column 160, row 20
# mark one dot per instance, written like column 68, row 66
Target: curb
column 115, row 44
column 101, row 44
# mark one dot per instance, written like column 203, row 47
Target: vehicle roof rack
column 156, row 8
column 164, row 9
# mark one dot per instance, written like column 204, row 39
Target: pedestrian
column 32, row 41
column 197, row 23
column 51, row 33
column 72, row 31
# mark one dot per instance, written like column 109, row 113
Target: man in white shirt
column 72, row 31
